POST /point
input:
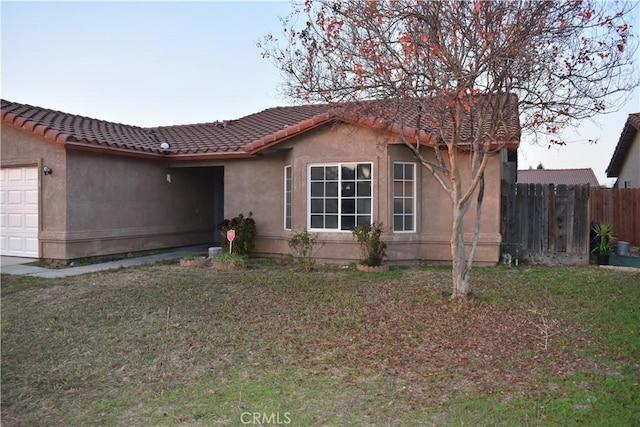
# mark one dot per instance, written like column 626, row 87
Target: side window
column 404, row 197
column 288, row 191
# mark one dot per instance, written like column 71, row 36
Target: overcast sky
column 168, row 63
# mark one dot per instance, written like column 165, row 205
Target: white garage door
column 19, row 212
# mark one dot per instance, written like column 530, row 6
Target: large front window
column 339, row 196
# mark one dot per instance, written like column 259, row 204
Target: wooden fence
column 619, row 207
column 546, row 223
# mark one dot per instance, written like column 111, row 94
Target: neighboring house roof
column 230, row 138
column 631, row 128
column 558, row 176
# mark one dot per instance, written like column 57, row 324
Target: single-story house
column 74, row 186
column 558, row 176
column 625, row 162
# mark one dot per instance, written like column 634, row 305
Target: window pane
column 398, row 205
column 408, row 172
column 398, row 188
column 317, row 189
column 398, row 171
column 398, row 223
column 408, row 222
column 317, row 205
column 364, row 219
column 364, row 189
column 364, row 206
column 317, row 221
column 317, row 173
column 348, row 189
column 331, row 221
column 348, row 206
column 348, row 222
column 332, row 173
column 408, row 205
column 408, row 189
column 348, row 172
column 364, row 171
column 331, row 189
column 331, row 206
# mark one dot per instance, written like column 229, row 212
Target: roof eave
column 624, row 142
column 79, row 146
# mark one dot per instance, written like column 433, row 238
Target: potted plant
column 603, row 238
column 373, row 248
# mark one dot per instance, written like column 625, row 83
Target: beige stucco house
column 625, row 162
column 75, row 187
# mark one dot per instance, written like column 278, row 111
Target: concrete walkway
column 18, row 266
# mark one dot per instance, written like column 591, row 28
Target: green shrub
column 228, row 261
column 302, row 245
column 373, row 248
column 245, row 228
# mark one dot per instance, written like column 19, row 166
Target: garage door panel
column 15, row 174
column 31, row 175
column 19, row 222
column 15, row 220
column 31, row 245
column 31, row 197
column 15, row 197
column 31, row 221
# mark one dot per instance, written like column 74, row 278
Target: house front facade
column 78, row 187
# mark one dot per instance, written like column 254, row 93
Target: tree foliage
column 461, row 64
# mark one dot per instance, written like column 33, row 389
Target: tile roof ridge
column 218, row 123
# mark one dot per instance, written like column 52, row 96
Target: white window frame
column 340, row 215
column 288, row 197
column 403, row 197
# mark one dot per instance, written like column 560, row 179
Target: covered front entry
column 19, row 212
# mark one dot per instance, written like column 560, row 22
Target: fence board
column 621, row 208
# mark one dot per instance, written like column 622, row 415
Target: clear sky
column 168, row 63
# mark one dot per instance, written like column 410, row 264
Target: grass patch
column 171, row 345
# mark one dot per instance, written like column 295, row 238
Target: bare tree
column 463, row 69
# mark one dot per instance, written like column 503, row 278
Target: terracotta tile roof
column 631, row 128
column 59, row 127
column 233, row 138
column 248, row 134
column 558, row 176
column 432, row 117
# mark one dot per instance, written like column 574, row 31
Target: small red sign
column 231, row 234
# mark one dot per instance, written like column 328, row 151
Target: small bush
column 302, row 245
column 373, row 248
column 245, row 228
column 228, row 261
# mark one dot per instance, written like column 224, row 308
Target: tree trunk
column 460, row 272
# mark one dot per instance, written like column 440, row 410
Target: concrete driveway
column 19, row 266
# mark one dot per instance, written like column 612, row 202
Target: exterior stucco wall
column 257, row 185
column 119, row 204
column 631, row 169
column 18, row 148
